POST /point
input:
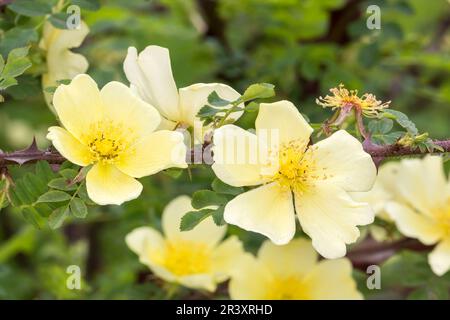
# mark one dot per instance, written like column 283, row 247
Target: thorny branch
column 32, row 154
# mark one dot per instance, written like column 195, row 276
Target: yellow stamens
column 185, row 258
column 107, row 141
column 442, row 216
column 367, row 103
column 287, row 288
column 297, row 167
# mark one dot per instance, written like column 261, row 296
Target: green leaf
column 50, row 89
column 258, row 91
column 57, row 217
column 31, row 8
column 412, row 266
column 44, row 171
column 217, row 216
column 59, row 20
column 32, row 216
column 173, row 172
column 78, row 208
column 402, row 119
column 82, row 193
column 381, row 126
column 54, row 196
column 62, row 184
column 7, row 82
column 69, row 174
column 29, row 86
column 92, row 5
column 17, row 37
column 217, row 101
column 208, row 111
column 193, row 218
column 388, row 138
column 17, row 63
column 2, row 64
column 221, row 187
column 433, row 291
column 205, row 198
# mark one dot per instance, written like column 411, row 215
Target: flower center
column 287, row 288
column 185, row 258
column 297, row 167
column 107, row 140
column 443, row 218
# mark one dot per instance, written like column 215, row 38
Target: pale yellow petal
column 382, row 191
column 194, row 97
column 377, row 198
column 225, row 256
column 108, row 185
column 155, row 152
column 166, row 124
column 332, row 280
column 413, row 224
column 388, row 176
column 199, row 281
column 341, row 160
column 78, row 105
column 151, row 74
column 439, row 258
column 250, row 281
column 283, row 117
column 122, row 106
column 330, row 218
column 69, row 147
column 159, row 270
column 206, row 232
column 238, row 157
column 150, row 246
column 295, row 258
column 62, row 64
column 267, row 210
column 147, row 243
column 421, row 183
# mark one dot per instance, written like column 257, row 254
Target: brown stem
column 370, row 252
column 33, row 155
column 396, row 150
column 360, row 124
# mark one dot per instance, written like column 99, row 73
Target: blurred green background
column 303, row 47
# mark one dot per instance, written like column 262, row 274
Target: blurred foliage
column 303, row 47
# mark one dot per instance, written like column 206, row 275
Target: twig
column 370, row 252
column 397, row 150
column 32, row 154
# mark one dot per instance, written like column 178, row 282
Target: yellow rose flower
column 312, row 181
column 383, row 190
column 292, row 272
column 422, row 209
column 150, row 75
column 113, row 130
column 196, row 259
column 62, row 63
column 378, row 197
